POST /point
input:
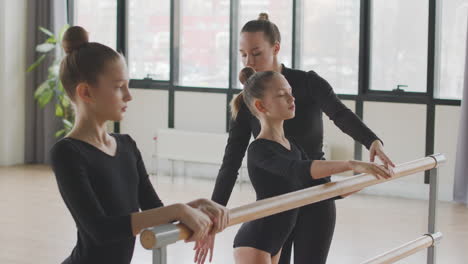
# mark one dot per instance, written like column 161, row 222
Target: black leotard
column 273, row 170
column 101, row 191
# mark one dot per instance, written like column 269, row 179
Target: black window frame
column 365, row 94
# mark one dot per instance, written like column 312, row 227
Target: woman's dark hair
column 263, row 24
column 255, row 84
column 84, row 61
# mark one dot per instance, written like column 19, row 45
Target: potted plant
column 51, row 90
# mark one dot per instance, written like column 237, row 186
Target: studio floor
column 37, row 228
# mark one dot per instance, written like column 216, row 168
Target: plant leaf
column 45, row 47
column 54, row 70
column 36, row 63
column 66, row 101
column 58, row 110
column 60, row 87
column 67, row 124
column 41, row 89
column 46, row 31
column 45, row 97
column 60, row 133
column 51, row 40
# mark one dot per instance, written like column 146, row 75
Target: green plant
column 52, row 90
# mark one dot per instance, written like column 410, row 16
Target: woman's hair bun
column 74, row 38
column 263, row 16
column 245, row 74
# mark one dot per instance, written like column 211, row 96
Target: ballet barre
column 406, row 249
column 158, row 237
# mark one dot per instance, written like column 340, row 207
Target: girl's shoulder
column 260, row 145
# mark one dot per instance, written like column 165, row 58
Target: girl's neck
column 90, row 129
column 272, row 130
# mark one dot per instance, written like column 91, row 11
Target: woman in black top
column 259, row 47
column 101, row 176
column 277, row 165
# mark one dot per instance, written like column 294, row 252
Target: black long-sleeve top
column 276, row 170
column 101, row 191
column 314, row 96
column 273, row 170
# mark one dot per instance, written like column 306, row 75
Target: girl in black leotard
column 101, row 176
column 278, row 165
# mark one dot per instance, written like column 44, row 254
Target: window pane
column 149, row 39
column 99, row 18
column 204, row 48
column 330, row 42
column 280, row 13
column 399, row 44
column 452, row 48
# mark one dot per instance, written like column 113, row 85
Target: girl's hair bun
column 74, row 38
column 263, row 16
column 245, row 74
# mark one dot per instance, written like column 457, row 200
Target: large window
column 399, row 37
column 204, row 47
column 330, row 42
column 453, row 30
column 99, row 18
column 280, row 13
column 149, row 39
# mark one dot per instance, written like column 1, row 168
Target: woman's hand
column 197, row 221
column 377, row 149
column 380, row 171
column 217, row 213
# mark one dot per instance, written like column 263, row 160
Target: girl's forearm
column 324, row 168
column 156, row 216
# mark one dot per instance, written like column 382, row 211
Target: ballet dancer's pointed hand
column 377, row 149
column 379, row 171
column 220, row 217
column 203, row 247
column 197, row 221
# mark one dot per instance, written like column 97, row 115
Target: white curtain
column 460, row 193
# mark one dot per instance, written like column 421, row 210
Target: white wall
column 146, row 113
column 203, row 112
column 12, row 81
column 402, row 127
column 446, row 135
column 341, row 145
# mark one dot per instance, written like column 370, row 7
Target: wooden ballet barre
column 406, row 250
column 160, row 236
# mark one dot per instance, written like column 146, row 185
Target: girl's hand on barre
column 218, row 214
column 203, row 247
column 381, row 172
column 197, row 221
